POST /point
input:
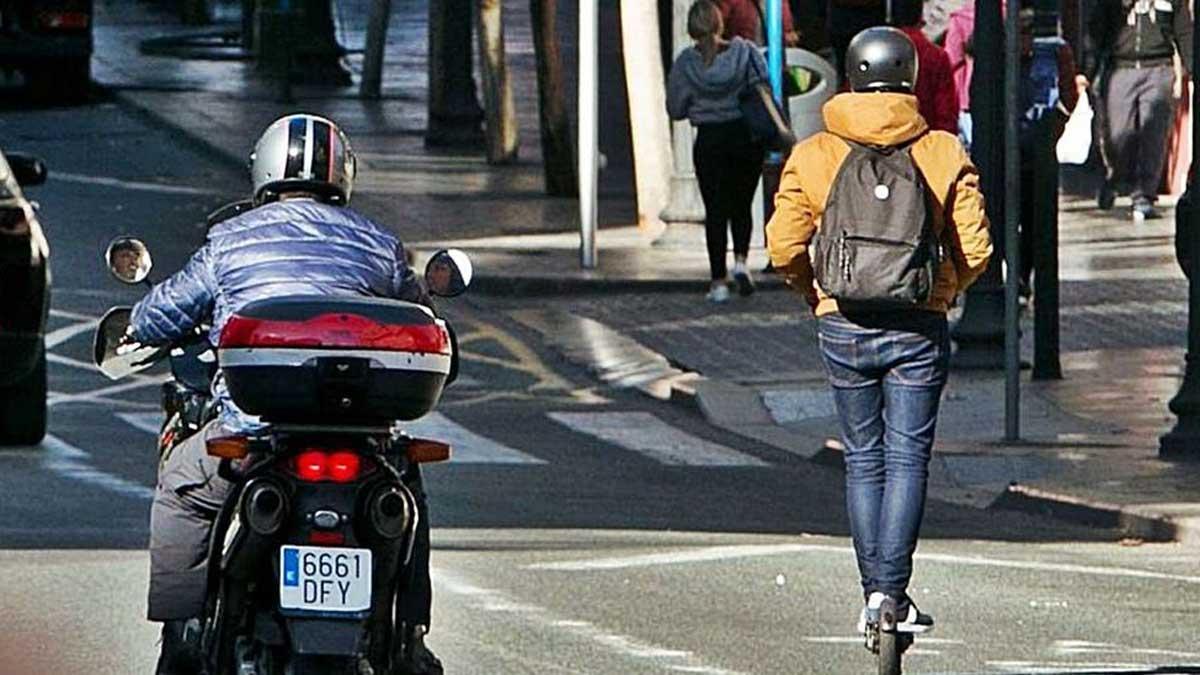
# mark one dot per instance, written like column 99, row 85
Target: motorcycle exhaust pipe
column 264, row 508
column 391, row 511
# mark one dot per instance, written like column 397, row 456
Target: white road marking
column 72, row 463
column 1064, row 667
column 745, row 551
column 491, row 600
column 646, row 434
column 97, row 395
column 1068, row 647
column 63, row 314
column 139, row 186
column 150, row 422
column 467, row 447
column 858, row 640
column 58, row 336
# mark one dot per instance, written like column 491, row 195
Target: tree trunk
column 558, row 156
column 501, row 114
column 453, row 113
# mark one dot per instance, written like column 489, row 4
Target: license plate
column 323, row 579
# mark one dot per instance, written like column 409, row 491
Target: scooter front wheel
column 890, row 647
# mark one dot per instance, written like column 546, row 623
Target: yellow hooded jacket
column 883, row 119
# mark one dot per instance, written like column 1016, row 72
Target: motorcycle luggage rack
column 365, row 429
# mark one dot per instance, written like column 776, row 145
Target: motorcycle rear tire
column 305, row 664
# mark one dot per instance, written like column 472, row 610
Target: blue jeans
column 887, row 372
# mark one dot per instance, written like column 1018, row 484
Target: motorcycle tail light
column 343, row 467
column 326, row 538
column 316, row 465
column 310, row 465
column 64, row 20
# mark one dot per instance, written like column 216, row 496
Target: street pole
column 685, row 209
column 773, row 164
column 1044, row 72
column 1012, row 213
column 589, row 128
column 649, row 127
column 377, row 25
column 979, row 335
column 1183, row 441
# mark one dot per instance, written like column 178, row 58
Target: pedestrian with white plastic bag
column 1075, row 144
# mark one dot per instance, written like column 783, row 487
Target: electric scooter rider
column 300, row 239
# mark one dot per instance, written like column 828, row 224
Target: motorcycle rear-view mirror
column 114, row 353
column 448, row 273
column 27, row 169
column 129, row 260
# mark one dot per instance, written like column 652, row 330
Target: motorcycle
column 308, row 554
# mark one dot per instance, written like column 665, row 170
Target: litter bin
column 818, row 82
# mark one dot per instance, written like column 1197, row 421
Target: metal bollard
column 1183, row 441
column 1046, row 362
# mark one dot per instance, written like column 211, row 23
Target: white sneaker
column 915, row 622
column 718, row 294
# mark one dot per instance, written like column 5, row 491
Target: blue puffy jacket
column 292, row 247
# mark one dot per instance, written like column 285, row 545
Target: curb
column 197, row 141
column 1147, row 527
column 542, row 286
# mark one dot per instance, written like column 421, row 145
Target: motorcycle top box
column 320, row 359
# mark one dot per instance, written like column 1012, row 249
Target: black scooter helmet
column 882, row 59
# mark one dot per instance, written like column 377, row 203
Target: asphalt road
column 567, row 540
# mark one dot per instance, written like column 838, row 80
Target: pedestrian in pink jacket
column 960, row 33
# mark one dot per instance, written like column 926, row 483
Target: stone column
column 685, row 210
column 454, row 112
column 649, row 127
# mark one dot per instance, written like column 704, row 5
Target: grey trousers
column 1140, row 110
column 188, row 500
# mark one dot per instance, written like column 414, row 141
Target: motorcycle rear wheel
column 304, row 664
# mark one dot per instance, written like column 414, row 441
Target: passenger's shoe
column 416, row 658
column 745, row 284
column 718, row 293
column 914, row 622
column 1106, row 197
column 1144, row 210
column 181, row 653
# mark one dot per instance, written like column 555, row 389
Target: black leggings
column 728, row 164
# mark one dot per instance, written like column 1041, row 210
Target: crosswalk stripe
column 467, row 446
column 150, row 422
column 646, row 434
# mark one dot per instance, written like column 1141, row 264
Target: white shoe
column 718, row 293
column 915, row 622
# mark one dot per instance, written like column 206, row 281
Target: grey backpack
column 876, row 245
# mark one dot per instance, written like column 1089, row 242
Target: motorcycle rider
column 300, row 239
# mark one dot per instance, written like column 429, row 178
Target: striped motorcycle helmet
column 303, row 153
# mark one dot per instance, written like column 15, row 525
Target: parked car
column 24, row 304
column 50, row 41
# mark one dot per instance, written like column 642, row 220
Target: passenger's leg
column 187, row 500
column 858, row 396
column 912, row 391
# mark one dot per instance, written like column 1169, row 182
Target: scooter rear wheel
column 890, row 648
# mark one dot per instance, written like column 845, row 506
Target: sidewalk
column 1089, row 442
column 751, row 366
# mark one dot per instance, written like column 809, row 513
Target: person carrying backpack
column 879, row 223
